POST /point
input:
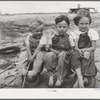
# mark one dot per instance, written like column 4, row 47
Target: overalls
column 87, row 66
column 62, row 44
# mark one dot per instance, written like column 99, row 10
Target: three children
column 63, row 51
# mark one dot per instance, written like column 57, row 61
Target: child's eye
column 64, row 26
column 59, row 26
column 81, row 23
column 86, row 23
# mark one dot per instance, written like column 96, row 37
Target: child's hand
column 24, row 71
column 47, row 47
column 80, row 51
column 83, row 50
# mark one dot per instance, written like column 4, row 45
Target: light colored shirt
column 44, row 39
column 27, row 38
column 71, row 41
column 91, row 33
column 47, row 36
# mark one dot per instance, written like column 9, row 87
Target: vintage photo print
column 49, row 47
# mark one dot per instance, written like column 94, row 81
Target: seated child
column 32, row 42
column 85, row 43
column 37, row 46
column 62, row 45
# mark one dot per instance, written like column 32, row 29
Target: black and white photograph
column 49, row 44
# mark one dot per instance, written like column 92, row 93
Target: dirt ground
column 6, row 41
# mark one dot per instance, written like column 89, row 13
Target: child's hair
column 80, row 14
column 62, row 18
column 36, row 24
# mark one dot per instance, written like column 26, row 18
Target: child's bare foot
column 81, row 85
column 58, row 83
column 76, row 84
column 51, row 82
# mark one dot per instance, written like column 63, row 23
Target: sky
column 13, row 7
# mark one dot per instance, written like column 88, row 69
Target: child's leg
column 80, row 77
column 22, row 62
column 50, row 60
column 60, row 68
column 76, row 85
column 76, row 65
column 87, row 55
column 51, row 79
column 88, row 64
column 37, row 65
column 50, row 64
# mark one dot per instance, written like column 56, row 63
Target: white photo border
column 50, row 93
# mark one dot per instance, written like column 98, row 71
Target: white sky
column 13, row 7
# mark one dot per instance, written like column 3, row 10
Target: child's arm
column 24, row 71
column 55, row 51
column 28, row 50
column 36, row 52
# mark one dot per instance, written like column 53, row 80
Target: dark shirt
column 34, row 42
column 84, row 41
column 61, row 42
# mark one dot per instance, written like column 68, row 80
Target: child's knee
column 50, row 55
column 32, row 73
column 87, row 55
column 62, row 55
column 50, row 58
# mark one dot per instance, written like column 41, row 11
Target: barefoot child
column 35, row 50
column 37, row 47
column 32, row 42
column 85, row 43
column 62, row 45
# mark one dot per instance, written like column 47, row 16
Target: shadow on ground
column 44, row 78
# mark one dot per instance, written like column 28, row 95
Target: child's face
column 83, row 24
column 62, row 27
column 37, row 32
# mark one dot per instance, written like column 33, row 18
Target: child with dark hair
column 62, row 18
column 85, row 43
column 81, row 13
column 62, row 47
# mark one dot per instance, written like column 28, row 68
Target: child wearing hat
column 85, row 44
